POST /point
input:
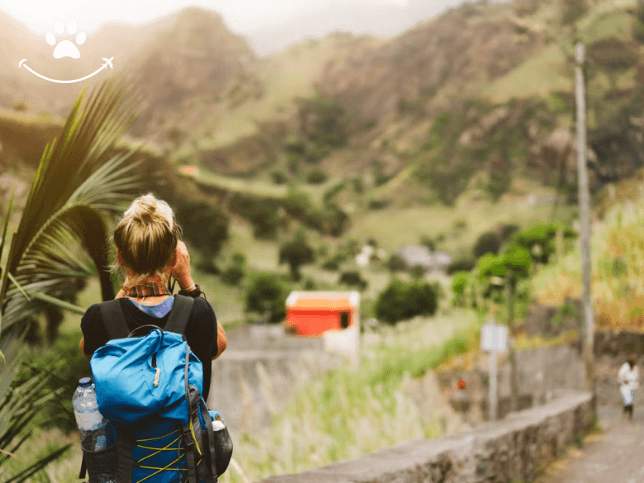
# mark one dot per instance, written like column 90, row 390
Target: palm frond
column 80, row 182
column 63, row 231
column 34, row 468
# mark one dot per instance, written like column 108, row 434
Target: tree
column 352, row 278
column 499, row 272
column 295, row 253
column 205, row 227
column 401, row 300
column 396, row 263
column 488, row 242
column 267, row 295
column 62, row 235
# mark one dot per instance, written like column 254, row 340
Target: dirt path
column 615, row 455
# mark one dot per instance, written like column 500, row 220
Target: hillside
column 468, row 108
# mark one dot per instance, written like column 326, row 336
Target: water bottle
column 96, row 433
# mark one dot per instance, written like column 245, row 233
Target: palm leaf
column 63, row 231
column 81, row 182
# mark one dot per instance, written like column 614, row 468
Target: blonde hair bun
column 147, row 235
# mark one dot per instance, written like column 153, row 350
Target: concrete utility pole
column 584, row 214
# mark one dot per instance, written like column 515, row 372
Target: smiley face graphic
column 67, row 48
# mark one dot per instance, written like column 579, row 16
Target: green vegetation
column 350, row 411
column 203, row 226
column 352, row 278
column 401, row 300
column 61, row 236
column 488, row 242
column 296, row 253
column 267, row 296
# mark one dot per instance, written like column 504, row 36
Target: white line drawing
column 108, row 62
column 66, row 48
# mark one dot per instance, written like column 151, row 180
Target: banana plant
column 62, row 234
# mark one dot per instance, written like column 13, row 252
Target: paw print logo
column 66, row 48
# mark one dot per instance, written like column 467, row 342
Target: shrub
column 325, row 121
column 233, row 275
column 489, row 242
column 316, row 176
column 267, row 293
column 506, row 230
column 378, row 204
column 428, row 242
column 239, row 258
column 358, row 185
column 203, row 226
column 499, row 182
column 459, row 283
column 461, row 264
column 573, row 10
column 329, row 219
column 297, row 204
column 417, row 271
column 396, row 263
column 402, row 300
column 331, row 264
column 278, row 177
column 353, row 279
column 296, row 253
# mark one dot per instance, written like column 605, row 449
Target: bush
column 330, row 220
column 396, row 263
column 267, row 293
column 296, row 253
column 325, row 122
column 499, row 182
column 297, row 204
column 331, row 264
column 402, row 300
column 358, row 185
column 459, row 283
column 506, row 230
column 489, row 242
column 462, row 264
column 278, row 177
column 353, row 279
column 378, row 204
column 203, row 226
column 316, row 176
column 428, row 242
column 417, row 271
column 233, row 275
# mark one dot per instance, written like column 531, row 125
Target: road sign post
column 493, row 339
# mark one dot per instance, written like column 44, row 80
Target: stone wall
column 260, row 371
column 611, row 351
column 543, row 374
column 515, row 449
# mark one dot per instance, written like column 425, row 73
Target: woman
column 149, row 250
column 628, row 377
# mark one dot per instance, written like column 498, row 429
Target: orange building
column 313, row 313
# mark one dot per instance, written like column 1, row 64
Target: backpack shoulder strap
column 180, row 314
column 114, row 319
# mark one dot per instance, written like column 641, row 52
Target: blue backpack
column 149, row 384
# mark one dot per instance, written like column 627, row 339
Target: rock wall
column 515, row 449
column 543, row 374
column 259, row 373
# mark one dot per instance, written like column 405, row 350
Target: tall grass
column 617, row 250
column 357, row 409
column 354, row 410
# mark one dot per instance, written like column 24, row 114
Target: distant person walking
column 628, row 377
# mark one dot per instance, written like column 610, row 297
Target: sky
column 241, row 16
